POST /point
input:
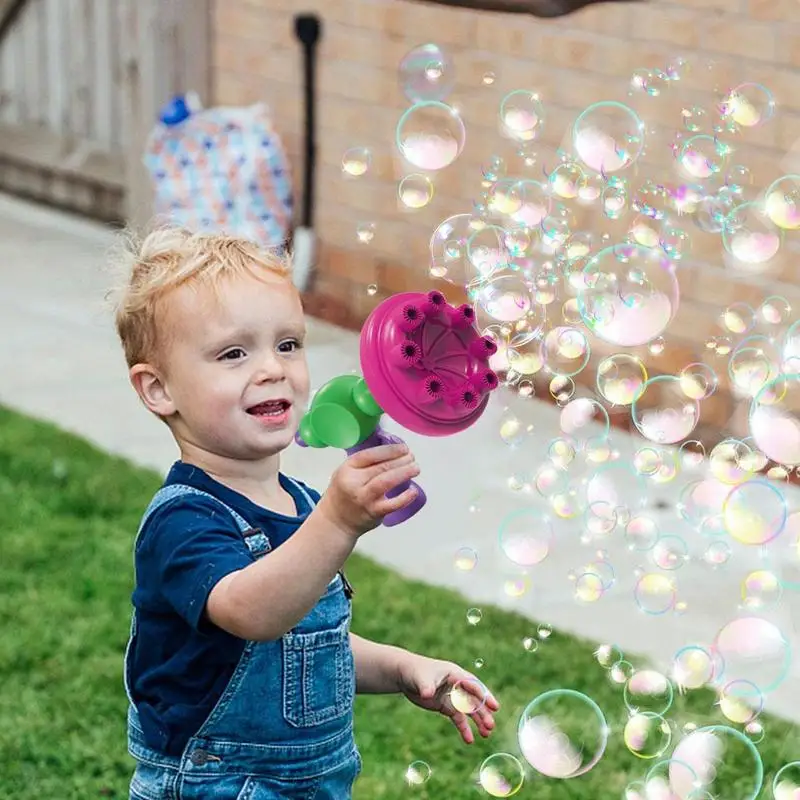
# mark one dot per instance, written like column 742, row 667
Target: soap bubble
column 501, row 775
column 738, row 318
column 365, row 232
column 415, row 191
column 647, row 735
column 754, row 650
column 655, row 593
column 775, row 419
column 567, row 180
column 430, row 135
column 786, row 784
column 701, row 157
column 582, row 419
column 448, row 247
column 474, row 616
column 709, row 758
column 740, row 701
column 608, row 137
column 426, row 73
column 775, row 310
column 754, row 512
column 694, row 667
column 698, row 381
column 521, row 115
column 468, row 695
column 670, row 553
column 641, row 533
column 751, row 366
column 648, row 690
column 544, row 631
column 417, row 773
column 608, row 655
column 782, row 202
column 662, row 412
column 562, row 734
column 466, row 559
column 629, row 294
column 748, row 105
column 565, row 351
column 356, row 162
column 750, row 236
column 619, row 378
column 525, row 537
column 535, row 203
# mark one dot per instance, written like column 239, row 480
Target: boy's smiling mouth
column 270, row 408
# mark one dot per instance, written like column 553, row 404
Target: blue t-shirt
column 180, row 662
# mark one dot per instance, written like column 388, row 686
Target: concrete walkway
column 60, row 361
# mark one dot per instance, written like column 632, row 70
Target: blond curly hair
column 148, row 267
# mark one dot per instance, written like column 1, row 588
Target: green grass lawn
column 70, row 513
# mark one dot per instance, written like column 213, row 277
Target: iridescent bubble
column 544, row 631
column 487, row 253
column 751, row 368
column 748, row 105
column 601, row 520
column 567, row 180
column 506, row 298
column 356, row 162
column 691, row 455
column 365, row 232
column 698, row 763
column 466, row 559
column 755, row 650
column 775, row 420
column 608, row 137
column 775, row 310
column 791, row 350
column 417, row 773
column 521, row 115
column 565, row 351
column 562, row 389
column 582, row 419
column 614, row 197
column 655, row 593
column 621, row 672
column 700, row 157
column 630, row 294
column 755, row 512
column 468, row 695
column 695, row 118
column 698, row 381
column 620, row 377
column 782, row 202
column 740, row 701
column 647, row 735
column 670, row 553
column 761, row 589
column 415, row 191
column 474, row 616
column 448, row 248
column 717, row 553
column 535, row 203
column 662, row 412
column 694, row 667
column 501, row 775
column 430, row 135
column 647, row 461
column 750, row 236
column 608, row 655
column 641, row 533
column 588, row 588
column 786, row 784
column 525, row 537
column 674, row 241
column 635, row 791
column 426, row 73
column 562, row 734
column 648, row 690
column 738, row 318
column 619, row 486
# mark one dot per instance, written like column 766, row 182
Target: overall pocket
column 150, row 782
column 318, row 676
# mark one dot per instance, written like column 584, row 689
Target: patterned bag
column 221, row 169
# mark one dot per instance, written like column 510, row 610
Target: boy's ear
column 152, row 389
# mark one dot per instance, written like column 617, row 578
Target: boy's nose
column 270, row 369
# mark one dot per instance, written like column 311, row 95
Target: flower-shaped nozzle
column 467, row 395
column 410, row 317
column 485, row 380
column 434, row 303
column 462, row 317
column 405, row 355
column 483, row 348
column 430, row 390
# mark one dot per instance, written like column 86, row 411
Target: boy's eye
column 289, row 346
column 232, row 354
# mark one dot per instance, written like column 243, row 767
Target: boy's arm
column 377, row 665
column 269, row 597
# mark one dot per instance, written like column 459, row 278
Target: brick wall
column 571, row 62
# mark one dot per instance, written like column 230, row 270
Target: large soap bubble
column 430, row 135
column 562, row 734
column 608, row 137
column 775, row 419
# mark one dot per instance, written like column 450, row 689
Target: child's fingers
column 377, row 455
column 388, row 505
column 396, row 476
column 462, row 726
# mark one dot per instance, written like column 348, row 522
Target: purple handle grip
column 376, row 439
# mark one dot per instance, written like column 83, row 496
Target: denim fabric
column 283, row 727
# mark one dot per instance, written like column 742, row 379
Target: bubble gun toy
column 424, row 364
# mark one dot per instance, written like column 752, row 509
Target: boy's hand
column 355, row 500
column 429, row 683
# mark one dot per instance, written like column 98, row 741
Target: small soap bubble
column 544, row 631
column 356, row 162
column 521, row 115
column 365, row 232
column 430, row 135
column 782, row 202
column 488, row 78
column 372, row 289
column 608, row 137
column 530, row 644
column 466, row 559
column 608, row 655
column 620, row 673
column 748, row 105
column 479, row 662
column 418, row 772
column 467, row 695
column 415, row 191
column 426, row 73
column 501, row 775
column 474, row 616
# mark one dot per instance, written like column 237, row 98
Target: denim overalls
column 283, row 727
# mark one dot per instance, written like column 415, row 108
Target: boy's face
column 236, row 371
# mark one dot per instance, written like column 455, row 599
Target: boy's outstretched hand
column 428, row 683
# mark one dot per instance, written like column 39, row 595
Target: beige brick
column 732, row 6
column 582, row 51
column 611, row 18
column 772, row 10
column 674, row 26
column 738, row 37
